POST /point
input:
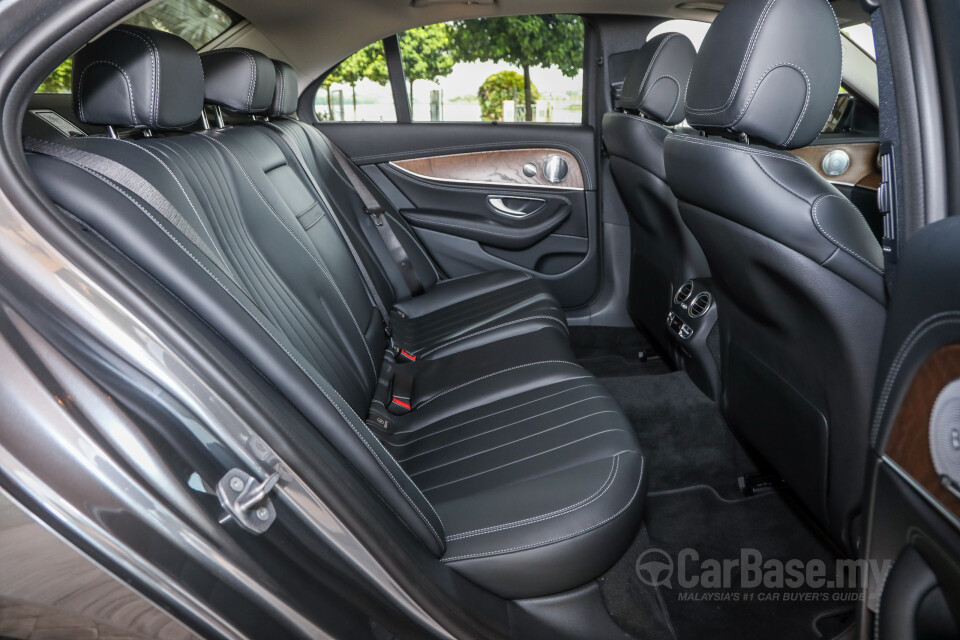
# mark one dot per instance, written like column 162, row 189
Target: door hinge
column 246, row 501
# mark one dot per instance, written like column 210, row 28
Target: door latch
column 246, row 501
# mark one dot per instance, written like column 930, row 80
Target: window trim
column 402, row 100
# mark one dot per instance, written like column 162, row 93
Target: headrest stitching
column 133, row 111
column 280, row 77
column 154, row 71
column 252, row 83
column 668, row 77
column 650, row 66
column 743, row 66
column 756, row 86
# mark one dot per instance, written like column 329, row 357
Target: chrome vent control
column 684, row 292
column 700, row 304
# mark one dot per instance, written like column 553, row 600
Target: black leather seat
column 664, row 254
column 513, row 466
column 449, row 315
column 798, row 275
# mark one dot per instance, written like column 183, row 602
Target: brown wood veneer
column 504, row 167
column 909, row 442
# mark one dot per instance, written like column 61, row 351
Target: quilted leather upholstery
column 514, row 466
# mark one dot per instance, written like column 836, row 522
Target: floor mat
column 614, row 351
column 698, row 519
column 681, row 432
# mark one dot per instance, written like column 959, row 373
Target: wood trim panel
column 863, row 171
column 909, row 441
column 503, row 167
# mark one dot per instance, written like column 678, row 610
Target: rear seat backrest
column 317, row 152
column 275, row 301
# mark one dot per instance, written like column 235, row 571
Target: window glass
column 693, row 29
column 357, row 90
column 199, row 22
column 523, row 68
column 862, row 36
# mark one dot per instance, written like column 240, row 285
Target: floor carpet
column 694, row 503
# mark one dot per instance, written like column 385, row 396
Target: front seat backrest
column 798, row 275
column 663, row 252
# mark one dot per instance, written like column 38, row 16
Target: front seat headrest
column 657, row 80
column 241, row 80
column 285, row 95
column 138, row 77
column 768, row 68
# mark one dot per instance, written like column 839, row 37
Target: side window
column 514, row 69
column 357, row 90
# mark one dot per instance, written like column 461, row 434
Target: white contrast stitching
column 816, row 221
column 133, row 111
column 743, row 66
column 931, row 323
column 736, row 147
column 154, row 69
column 493, row 328
column 336, row 406
column 490, row 375
column 305, row 248
column 599, row 493
column 636, row 492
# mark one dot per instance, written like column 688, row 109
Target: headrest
column 137, row 77
column 657, row 80
column 241, row 80
column 768, row 68
column 285, row 95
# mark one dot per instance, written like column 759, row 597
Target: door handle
column 518, row 207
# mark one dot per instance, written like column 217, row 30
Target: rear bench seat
column 510, row 462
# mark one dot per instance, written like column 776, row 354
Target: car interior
column 361, row 368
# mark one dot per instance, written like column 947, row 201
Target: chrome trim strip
column 484, row 183
column 919, row 488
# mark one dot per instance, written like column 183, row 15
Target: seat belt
column 364, row 273
column 110, row 171
column 373, row 208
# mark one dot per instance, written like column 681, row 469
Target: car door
column 913, row 540
column 912, row 524
column 485, row 151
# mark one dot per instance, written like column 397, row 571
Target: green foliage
column 506, row 85
column 367, row 64
column 196, row 21
column 523, row 41
column 426, row 53
column 59, row 80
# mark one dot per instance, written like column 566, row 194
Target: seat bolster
column 562, row 548
column 636, row 139
column 811, row 216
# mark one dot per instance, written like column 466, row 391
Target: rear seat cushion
column 537, row 470
column 538, row 487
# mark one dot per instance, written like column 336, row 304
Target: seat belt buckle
column 409, row 356
column 401, row 392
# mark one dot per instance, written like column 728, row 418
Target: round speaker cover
column 945, row 432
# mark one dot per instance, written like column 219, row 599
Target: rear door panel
column 462, row 188
column 914, row 517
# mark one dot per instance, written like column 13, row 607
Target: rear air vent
column 700, row 304
column 684, row 292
